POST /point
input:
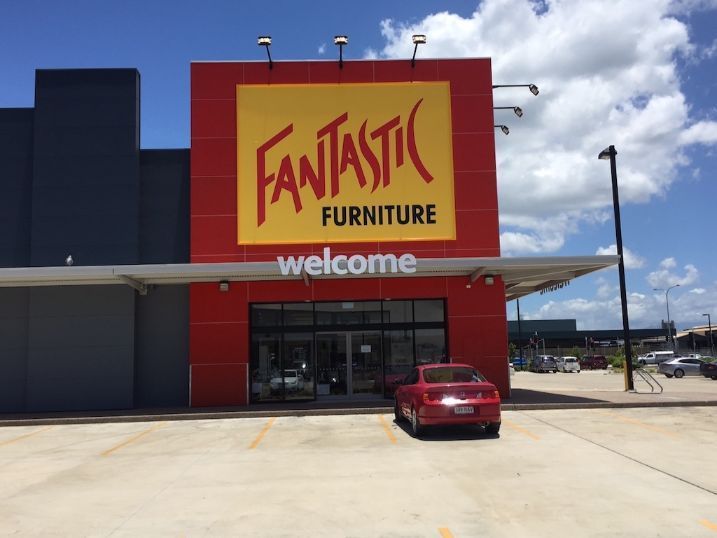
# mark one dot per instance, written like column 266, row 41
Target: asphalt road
column 590, row 472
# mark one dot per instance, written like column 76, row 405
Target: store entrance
column 349, row 365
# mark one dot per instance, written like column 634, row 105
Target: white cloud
column 698, row 291
column 632, row 260
column 322, row 49
column 664, row 277
column 596, row 88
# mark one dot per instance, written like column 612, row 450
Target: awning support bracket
column 132, row 283
column 477, row 273
column 306, row 277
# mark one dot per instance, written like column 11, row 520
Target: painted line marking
column 388, row 431
column 520, row 429
column 133, row 438
column 445, row 533
column 707, row 523
column 25, row 436
column 262, row 433
column 639, row 423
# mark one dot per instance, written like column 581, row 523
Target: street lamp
column 418, row 39
column 341, row 40
column 265, row 41
column 503, row 128
column 532, row 87
column 667, row 302
column 609, row 154
column 712, row 346
column 516, row 109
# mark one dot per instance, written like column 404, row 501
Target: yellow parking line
column 520, row 429
column 711, row 526
column 133, row 438
column 640, row 423
column 262, row 433
column 9, row 441
column 445, row 533
column 388, row 431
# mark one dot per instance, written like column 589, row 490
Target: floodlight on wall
column 503, row 128
column 265, row 41
column 418, row 39
column 224, row 285
column 516, row 109
column 532, row 87
column 489, row 280
column 341, row 40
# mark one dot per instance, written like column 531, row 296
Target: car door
column 692, row 366
column 404, row 394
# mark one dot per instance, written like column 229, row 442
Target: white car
column 568, row 364
column 293, row 381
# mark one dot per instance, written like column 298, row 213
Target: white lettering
column 382, row 259
column 336, row 268
column 341, row 264
column 290, row 264
column 407, row 263
column 362, row 264
column 313, row 265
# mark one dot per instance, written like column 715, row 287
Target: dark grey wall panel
column 164, row 210
column 162, row 348
column 86, row 188
column 80, row 348
column 13, row 348
column 15, row 186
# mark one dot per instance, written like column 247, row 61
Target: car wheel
column 416, row 423
column 679, row 373
column 493, row 428
column 397, row 412
column 714, row 378
column 668, row 375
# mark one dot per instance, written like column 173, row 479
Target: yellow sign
column 328, row 163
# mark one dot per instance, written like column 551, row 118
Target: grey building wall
column 85, row 193
column 15, row 185
column 162, row 348
column 13, row 348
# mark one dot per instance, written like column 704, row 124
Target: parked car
column 292, row 381
column 709, row 369
column 544, row 363
column 655, row 357
column 435, row 394
column 520, row 364
column 593, row 362
column 568, row 364
column 680, row 367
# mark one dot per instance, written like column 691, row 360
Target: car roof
column 444, row 364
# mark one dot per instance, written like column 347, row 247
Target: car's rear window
column 452, row 374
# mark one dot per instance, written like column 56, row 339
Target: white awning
column 522, row 276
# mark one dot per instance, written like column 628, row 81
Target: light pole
column 667, row 302
column 609, row 154
column 712, row 345
column 520, row 336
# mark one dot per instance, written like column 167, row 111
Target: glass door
column 366, row 367
column 349, row 364
column 332, row 364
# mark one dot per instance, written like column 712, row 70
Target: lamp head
column 263, row 40
column 341, row 40
column 419, row 39
column 605, row 154
column 518, row 111
column 533, row 89
column 503, row 128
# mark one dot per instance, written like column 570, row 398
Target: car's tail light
column 489, row 394
column 433, row 397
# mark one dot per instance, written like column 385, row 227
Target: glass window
column 298, row 366
column 266, row 315
column 430, row 346
column 398, row 311
column 398, row 358
column 452, row 374
column 298, row 314
column 412, row 378
column 266, row 380
column 348, row 313
column 429, row 310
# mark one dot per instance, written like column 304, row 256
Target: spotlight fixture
column 265, row 41
column 69, row 261
column 532, row 87
column 516, row 109
column 418, row 39
column 341, row 40
column 489, row 280
column 503, row 128
column 223, row 285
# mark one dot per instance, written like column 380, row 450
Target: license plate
column 463, row 410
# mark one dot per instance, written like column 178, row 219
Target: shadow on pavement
column 527, row 396
column 448, row 433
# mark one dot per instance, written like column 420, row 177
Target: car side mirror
column 398, row 382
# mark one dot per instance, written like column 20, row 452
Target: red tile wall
column 219, row 328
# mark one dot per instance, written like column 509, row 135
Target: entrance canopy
column 522, row 276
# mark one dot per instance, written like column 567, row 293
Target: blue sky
column 640, row 75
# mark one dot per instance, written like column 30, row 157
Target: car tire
column 714, row 378
column 416, row 423
column 493, row 428
column 397, row 412
column 670, row 376
column 679, row 373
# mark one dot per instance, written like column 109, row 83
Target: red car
column 446, row 394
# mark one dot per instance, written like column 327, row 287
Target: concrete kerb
column 268, row 413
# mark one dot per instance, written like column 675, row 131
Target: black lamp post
column 712, row 346
column 670, row 337
column 609, row 154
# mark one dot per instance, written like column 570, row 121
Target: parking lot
column 590, row 472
